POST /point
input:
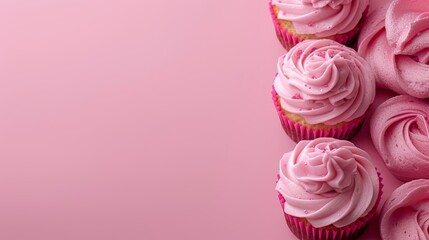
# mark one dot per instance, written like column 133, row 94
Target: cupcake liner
column 305, row 231
column 288, row 40
column 298, row 132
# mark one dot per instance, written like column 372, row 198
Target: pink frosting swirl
column 324, row 82
column 405, row 214
column 328, row 181
column 322, row 17
column 400, row 133
column 395, row 41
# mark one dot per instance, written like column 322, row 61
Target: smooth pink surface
column 141, row 120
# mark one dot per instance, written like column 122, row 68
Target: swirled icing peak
column 405, row 214
column 328, row 182
column 324, row 82
column 395, row 41
column 322, row 17
column 400, row 133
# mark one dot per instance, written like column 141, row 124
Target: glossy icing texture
column 321, row 17
column 328, row 182
column 395, row 41
column 400, row 133
column 405, row 214
column 324, row 82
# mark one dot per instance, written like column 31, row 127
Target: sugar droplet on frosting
column 297, row 96
column 310, row 24
column 306, row 211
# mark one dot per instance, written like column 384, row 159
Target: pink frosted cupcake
column 322, row 89
column 328, row 189
column 400, row 133
column 405, row 214
column 297, row 20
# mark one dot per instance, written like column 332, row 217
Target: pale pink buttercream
column 400, row 133
column 328, row 181
column 405, row 214
column 322, row 17
column 395, row 41
column 324, row 82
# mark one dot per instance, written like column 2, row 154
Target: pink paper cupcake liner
column 289, row 40
column 298, row 132
column 305, row 231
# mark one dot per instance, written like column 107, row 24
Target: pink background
column 141, row 120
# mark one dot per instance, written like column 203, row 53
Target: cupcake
column 328, row 189
column 322, row 89
column 405, row 214
column 400, row 133
column 297, row 20
column 395, row 42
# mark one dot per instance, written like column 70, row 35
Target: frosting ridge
column 395, row 41
column 328, row 181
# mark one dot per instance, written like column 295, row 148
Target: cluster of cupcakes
column 338, row 52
